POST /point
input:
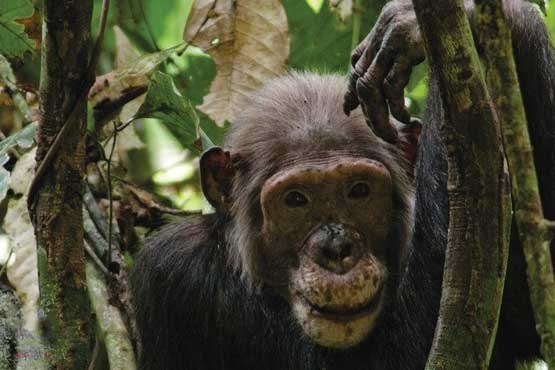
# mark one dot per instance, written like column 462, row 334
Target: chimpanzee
column 327, row 245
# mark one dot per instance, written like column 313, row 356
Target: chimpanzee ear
column 409, row 135
column 216, row 172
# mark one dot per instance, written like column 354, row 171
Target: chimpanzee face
column 316, row 207
column 332, row 215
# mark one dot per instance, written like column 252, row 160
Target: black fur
column 195, row 312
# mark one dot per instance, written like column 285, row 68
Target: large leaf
column 131, row 17
column 164, row 102
column 114, row 89
column 319, row 39
column 249, row 42
column 14, row 42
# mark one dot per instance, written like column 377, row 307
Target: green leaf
column 146, row 64
column 541, row 3
column 164, row 102
column 205, row 140
column 131, row 17
column 550, row 21
column 319, row 39
column 14, row 42
column 118, row 87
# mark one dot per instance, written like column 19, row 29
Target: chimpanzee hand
column 381, row 66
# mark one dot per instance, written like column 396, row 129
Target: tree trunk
column 55, row 201
column 479, row 198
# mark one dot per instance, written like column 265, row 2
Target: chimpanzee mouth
column 345, row 314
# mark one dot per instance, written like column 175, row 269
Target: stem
column 357, row 20
column 111, row 206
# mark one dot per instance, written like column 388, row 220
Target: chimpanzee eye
column 359, row 190
column 295, row 199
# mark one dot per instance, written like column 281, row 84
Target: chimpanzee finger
column 371, row 95
column 361, row 59
column 350, row 101
column 359, row 50
column 394, row 87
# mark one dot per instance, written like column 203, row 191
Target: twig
column 95, row 355
column 97, row 260
column 111, row 206
column 93, row 236
column 549, row 226
column 124, row 125
column 357, row 18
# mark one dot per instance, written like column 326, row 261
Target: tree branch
column 495, row 39
column 111, row 328
column 478, row 187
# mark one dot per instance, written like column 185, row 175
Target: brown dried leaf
column 33, row 27
column 249, row 42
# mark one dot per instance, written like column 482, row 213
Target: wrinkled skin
column 381, row 66
column 338, row 227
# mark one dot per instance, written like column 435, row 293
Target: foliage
column 165, row 102
column 14, row 42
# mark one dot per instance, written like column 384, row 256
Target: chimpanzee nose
column 336, row 248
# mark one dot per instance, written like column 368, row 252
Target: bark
column 495, row 38
column 479, row 198
column 55, row 201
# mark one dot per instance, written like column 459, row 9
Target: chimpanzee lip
column 347, row 314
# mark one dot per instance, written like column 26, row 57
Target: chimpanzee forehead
column 318, row 159
column 327, row 169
